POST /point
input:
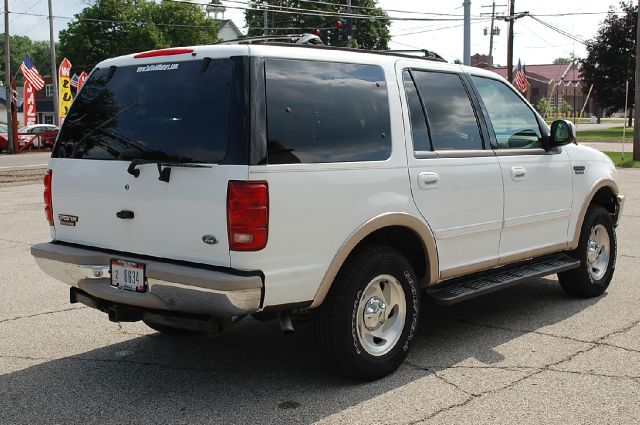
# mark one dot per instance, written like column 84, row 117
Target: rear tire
column 596, row 251
column 368, row 321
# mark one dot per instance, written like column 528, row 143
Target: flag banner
column 81, row 79
column 29, row 105
column 520, row 80
column 31, row 74
column 64, row 76
column 74, row 80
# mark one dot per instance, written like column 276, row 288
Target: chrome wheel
column 381, row 314
column 598, row 252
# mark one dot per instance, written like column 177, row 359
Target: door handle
column 518, row 173
column 428, row 180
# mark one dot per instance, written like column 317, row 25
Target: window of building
column 48, row 90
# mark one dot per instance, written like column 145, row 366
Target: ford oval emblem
column 209, row 239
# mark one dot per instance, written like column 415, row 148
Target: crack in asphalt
column 12, row 319
column 568, row 338
column 12, row 241
column 628, row 256
column 546, row 368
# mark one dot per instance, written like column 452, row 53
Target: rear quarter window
column 320, row 112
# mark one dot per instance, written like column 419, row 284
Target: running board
column 467, row 287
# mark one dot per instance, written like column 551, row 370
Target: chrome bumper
column 171, row 287
column 620, row 201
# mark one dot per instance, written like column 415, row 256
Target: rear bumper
column 620, row 202
column 171, row 287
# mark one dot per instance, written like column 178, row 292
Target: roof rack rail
column 313, row 41
column 426, row 53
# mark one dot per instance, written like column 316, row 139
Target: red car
column 37, row 136
column 4, row 138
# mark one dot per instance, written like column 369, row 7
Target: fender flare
column 599, row 184
column 384, row 220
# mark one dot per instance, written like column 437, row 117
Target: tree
column 111, row 28
column 611, row 58
column 562, row 61
column 22, row 46
column 543, row 106
column 366, row 34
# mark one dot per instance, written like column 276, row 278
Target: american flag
column 74, row 80
column 520, row 80
column 31, row 73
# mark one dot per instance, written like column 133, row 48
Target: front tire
column 596, row 251
column 368, row 321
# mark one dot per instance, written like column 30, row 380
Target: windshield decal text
column 159, row 67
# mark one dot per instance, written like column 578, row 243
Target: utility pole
column 493, row 17
column 7, row 76
column 54, row 69
column 510, row 42
column 265, row 29
column 466, row 59
column 493, row 30
column 349, row 20
column 636, row 108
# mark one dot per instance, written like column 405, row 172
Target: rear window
column 326, row 112
column 176, row 112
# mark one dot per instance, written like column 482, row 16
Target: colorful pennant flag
column 64, row 74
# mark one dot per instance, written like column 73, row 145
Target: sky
column 534, row 43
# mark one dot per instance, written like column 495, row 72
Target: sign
column 64, row 76
column 82, row 79
column 29, row 105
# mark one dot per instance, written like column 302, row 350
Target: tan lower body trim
column 385, row 220
column 487, row 265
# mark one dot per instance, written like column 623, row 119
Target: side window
column 513, row 121
column 326, row 112
column 452, row 121
column 419, row 129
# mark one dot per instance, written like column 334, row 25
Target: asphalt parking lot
column 527, row 355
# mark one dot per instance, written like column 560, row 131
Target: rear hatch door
column 128, row 126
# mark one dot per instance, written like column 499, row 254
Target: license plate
column 128, row 275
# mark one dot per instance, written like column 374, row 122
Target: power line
column 113, row 21
column 316, row 12
column 437, row 29
column 559, row 30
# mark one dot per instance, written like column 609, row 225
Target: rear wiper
column 164, row 174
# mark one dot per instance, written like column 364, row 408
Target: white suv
column 191, row 187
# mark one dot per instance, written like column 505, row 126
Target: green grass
column 612, row 134
column 549, row 120
column 624, row 162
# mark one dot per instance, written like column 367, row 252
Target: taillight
column 247, row 215
column 48, row 203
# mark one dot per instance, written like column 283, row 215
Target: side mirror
column 563, row 132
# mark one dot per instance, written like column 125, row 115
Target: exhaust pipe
column 285, row 322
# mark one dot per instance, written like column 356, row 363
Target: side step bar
column 467, row 287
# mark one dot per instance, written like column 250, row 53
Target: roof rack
column 424, row 52
column 313, row 41
column 298, row 39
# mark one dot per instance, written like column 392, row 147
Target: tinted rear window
column 326, row 112
column 170, row 112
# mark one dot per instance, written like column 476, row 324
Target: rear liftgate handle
column 428, row 180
